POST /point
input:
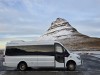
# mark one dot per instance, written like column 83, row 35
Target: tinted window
column 30, row 50
column 59, row 48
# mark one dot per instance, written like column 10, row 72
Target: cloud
column 34, row 14
column 33, row 17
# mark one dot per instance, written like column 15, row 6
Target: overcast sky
column 31, row 18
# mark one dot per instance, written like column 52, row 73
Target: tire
column 22, row 66
column 71, row 66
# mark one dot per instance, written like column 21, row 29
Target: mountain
column 62, row 31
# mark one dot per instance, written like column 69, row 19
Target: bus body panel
column 59, row 65
column 76, row 58
column 13, row 61
column 45, row 61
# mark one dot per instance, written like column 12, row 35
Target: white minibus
column 38, row 54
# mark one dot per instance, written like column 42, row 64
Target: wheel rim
column 71, row 67
column 22, row 67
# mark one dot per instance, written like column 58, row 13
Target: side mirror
column 66, row 54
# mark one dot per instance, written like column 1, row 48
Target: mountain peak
column 59, row 22
column 60, row 29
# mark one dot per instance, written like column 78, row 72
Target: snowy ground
column 96, row 55
column 92, row 53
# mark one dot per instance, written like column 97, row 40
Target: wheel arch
column 70, row 61
column 21, row 62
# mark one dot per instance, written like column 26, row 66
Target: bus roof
column 23, row 43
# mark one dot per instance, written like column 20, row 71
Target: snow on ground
column 92, row 53
column 96, row 55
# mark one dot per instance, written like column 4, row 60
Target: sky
column 29, row 19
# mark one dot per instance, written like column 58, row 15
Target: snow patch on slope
column 59, row 29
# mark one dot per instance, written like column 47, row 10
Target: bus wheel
column 22, row 66
column 71, row 66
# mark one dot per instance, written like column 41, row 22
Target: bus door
column 59, row 56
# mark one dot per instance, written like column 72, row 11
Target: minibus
column 39, row 54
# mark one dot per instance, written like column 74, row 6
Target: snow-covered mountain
column 63, row 32
column 60, row 29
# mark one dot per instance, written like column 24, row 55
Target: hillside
column 62, row 31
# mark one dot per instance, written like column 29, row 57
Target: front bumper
column 79, row 63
